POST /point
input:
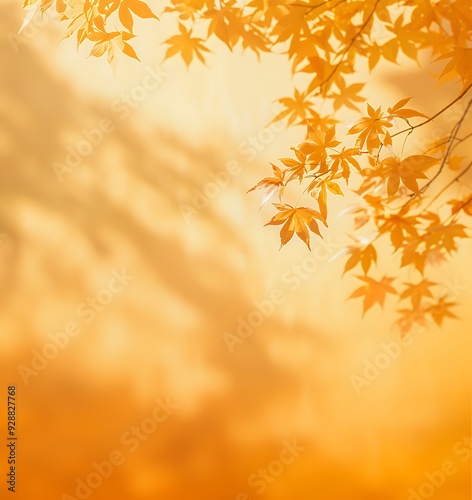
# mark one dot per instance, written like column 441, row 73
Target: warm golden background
column 162, row 336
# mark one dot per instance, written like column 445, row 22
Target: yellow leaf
column 296, row 220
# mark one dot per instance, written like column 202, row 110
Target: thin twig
column 346, row 49
column 454, row 133
column 436, row 115
column 458, row 210
column 448, row 186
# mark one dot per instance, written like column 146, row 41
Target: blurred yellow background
column 147, row 397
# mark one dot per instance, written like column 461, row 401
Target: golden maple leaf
column 374, row 292
column 270, row 185
column 372, row 129
column 299, row 220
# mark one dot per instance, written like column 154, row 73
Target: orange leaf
column 374, row 292
column 270, row 185
column 296, row 220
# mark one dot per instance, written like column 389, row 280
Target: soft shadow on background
column 161, row 336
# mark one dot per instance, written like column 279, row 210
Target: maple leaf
column 399, row 110
column 106, row 43
column 361, row 218
column 441, row 310
column 327, row 45
column 372, row 129
column 80, row 14
column 270, row 185
column 435, row 256
column 399, row 226
column 186, row 45
column 43, row 4
column 293, row 25
column 373, row 54
column 424, row 15
column 365, row 256
column 323, row 186
column 296, row 220
column 253, row 39
column 410, row 317
column 404, row 38
column 317, row 144
column 389, row 50
column 374, row 292
column 347, row 95
column 136, row 7
column 230, row 27
column 299, row 108
column 188, row 9
column 376, row 203
column 417, row 291
column 296, row 168
column 465, row 204
column 460, row 63
column 412, row 256
column 31, row 7
column 345, row 159
column 407, row 170
column 322, row 68
column 443, row 236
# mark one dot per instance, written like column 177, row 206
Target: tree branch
column 466, row 169
column 410, row 129
column 346, row 49
column 454, row 133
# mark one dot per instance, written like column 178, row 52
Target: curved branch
column 458, row 210
column 454, row 133
column 410, row 129
column 350, row 44
column 447, row 186
column 436, row 146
